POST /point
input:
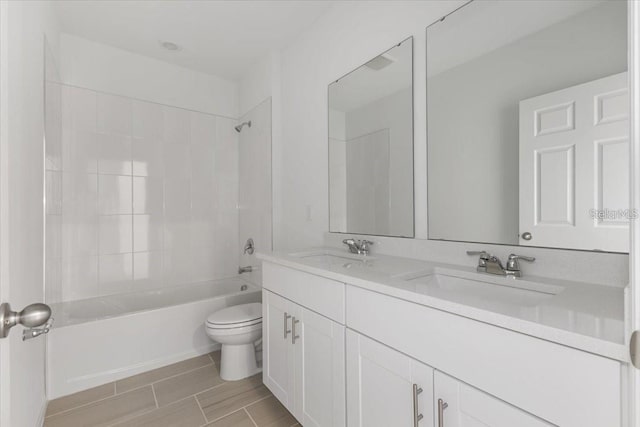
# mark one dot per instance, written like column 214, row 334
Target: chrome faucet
column 360, row 247
column 491, row 264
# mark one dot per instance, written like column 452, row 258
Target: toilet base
column 238, row 362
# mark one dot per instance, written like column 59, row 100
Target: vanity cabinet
column 303, row 350
column 385, row 387
column 459, row 405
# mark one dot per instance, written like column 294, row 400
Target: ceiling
column 222, row 38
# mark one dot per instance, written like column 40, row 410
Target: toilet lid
column 243, row 314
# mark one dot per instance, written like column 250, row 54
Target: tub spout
column 247, row 269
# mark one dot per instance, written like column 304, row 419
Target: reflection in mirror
column 371, row 146
column 528, row 125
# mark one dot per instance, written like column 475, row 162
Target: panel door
column 319, row 371
column 469, row 407
column 574, row 167
column 380, row 386
column 277, row 360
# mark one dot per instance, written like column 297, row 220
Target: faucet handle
column 483, row 254
column 513, row 266
column 364, row 246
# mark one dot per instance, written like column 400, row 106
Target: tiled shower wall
column 138, row 195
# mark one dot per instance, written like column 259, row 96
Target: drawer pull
column 286, row 324
column 294, row 337
column 416, row 415
column 442, row 405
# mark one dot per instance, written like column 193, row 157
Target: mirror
column 371, row 147
column 527, row 123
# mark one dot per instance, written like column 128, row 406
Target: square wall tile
column 115, row 273
column 147, row 270
column 116, row 234
column 79, row 277
column 177, row 197
column 148, row 195
column 79, row 236
column 79, row 109
column 79, row 194
column 147, row 154
column 79, row 151
column 147, row 120
column 148, row 231
column 177, row 267
column 203, row 129
column 177, row 160
column 115, row 195
column 114, row 114
column 176, row 125
column 114, row 154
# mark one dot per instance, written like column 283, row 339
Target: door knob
column 32, row 316
column 526, row 235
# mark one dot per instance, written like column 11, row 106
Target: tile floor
column 186, row 394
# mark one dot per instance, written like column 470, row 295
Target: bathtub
column 99, row 340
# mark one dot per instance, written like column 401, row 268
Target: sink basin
column 476, row 288
column 330, row 257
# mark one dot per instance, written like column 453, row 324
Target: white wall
column 23, row 26
column 348, row 35
column 473, row 116
column 96, row 66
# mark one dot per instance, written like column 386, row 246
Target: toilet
column 238, row 328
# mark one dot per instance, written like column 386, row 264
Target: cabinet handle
column 286, row 330
column 294, row 337
column 416, row 416
column 442, row 405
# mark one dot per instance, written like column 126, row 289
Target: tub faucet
column 360, row 247
column 247, row 269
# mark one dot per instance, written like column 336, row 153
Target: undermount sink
column 467, row 287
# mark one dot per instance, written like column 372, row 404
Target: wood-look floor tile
column 111, row 410
column 181, row 386
column 185, row 413
column 237, row 419
column 155, row 375
column 231, row 396
column 78, row 399
column 270, row 413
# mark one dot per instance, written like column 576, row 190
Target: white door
column 382, row 383
column 22, row 29
column 319, row 371
column 277, row 362
column 459, row 405
column 574, row 167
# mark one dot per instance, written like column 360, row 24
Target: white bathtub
column 100, row 340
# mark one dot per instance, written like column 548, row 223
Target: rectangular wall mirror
column 371, row 147
column 527, row 125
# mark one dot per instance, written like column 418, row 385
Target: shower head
column 241, row 125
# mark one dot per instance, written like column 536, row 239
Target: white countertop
column 580, row 315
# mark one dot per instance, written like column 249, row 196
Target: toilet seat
column 235, row 317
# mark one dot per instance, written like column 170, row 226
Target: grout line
column 250, row 417
column 240, row 409
column 164, row 378
column 155, row 398
column 201, row 410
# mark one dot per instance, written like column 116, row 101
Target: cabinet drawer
column 324, row 296
column 564, row 386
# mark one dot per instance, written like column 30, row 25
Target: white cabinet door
column 277, row 362
column 380, row 386
column 469, row 407
column 319, row 371
column 574, row 166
